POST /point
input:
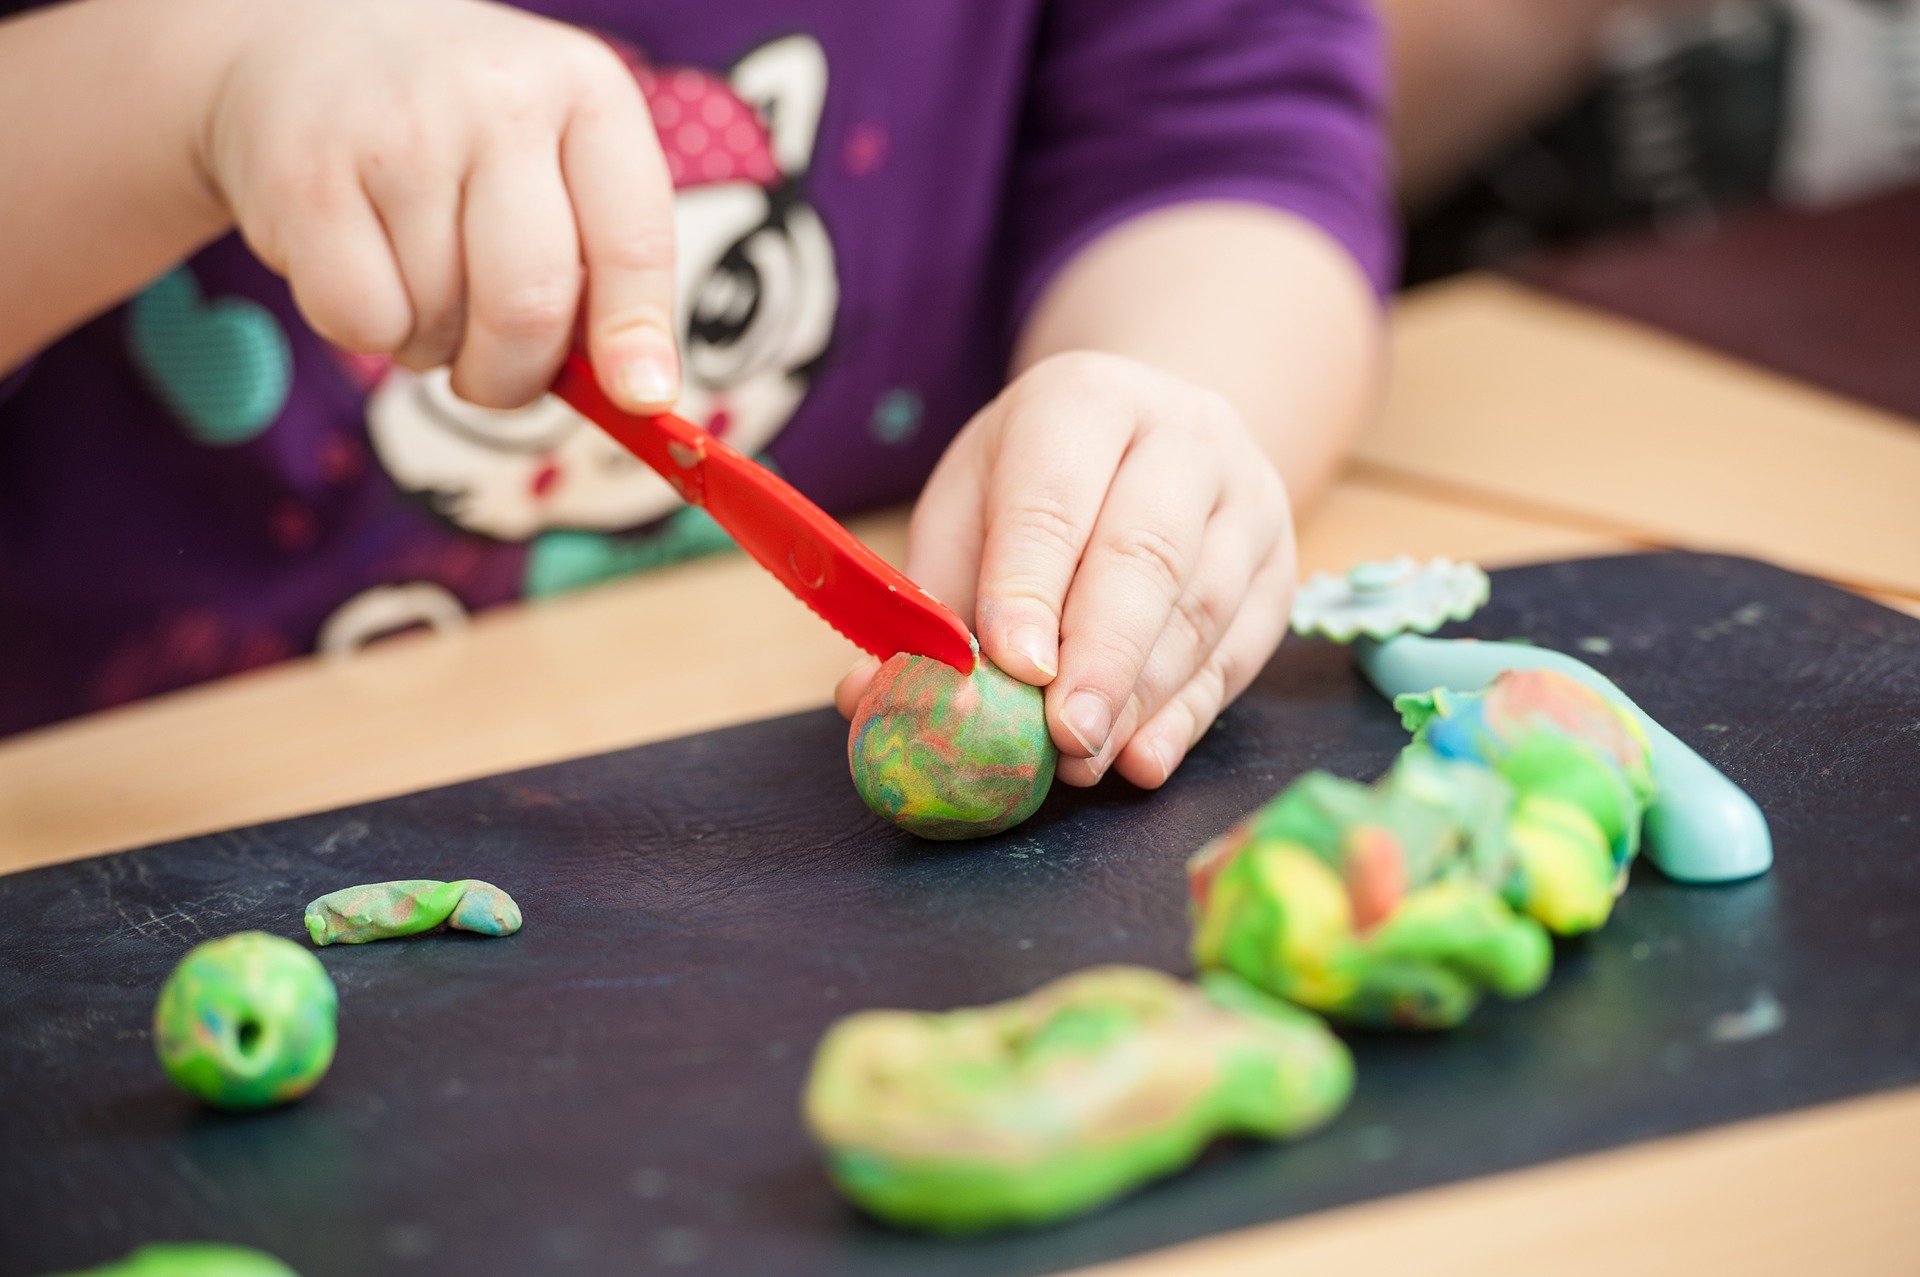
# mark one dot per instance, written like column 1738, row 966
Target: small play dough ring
column 947, row 755
column 246, row 1021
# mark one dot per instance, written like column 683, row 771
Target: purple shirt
column 869, row 195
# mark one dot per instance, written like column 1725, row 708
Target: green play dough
column 192, row 1259
column 1383, row 905
column 1041, row 1108
column 246, row 1021
column 948, row 755
column 387, row 910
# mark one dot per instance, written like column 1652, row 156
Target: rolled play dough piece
column 387, row 910
column 947, row 755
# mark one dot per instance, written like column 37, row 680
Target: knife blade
column 847, row 585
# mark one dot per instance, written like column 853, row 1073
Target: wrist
column 196, row 46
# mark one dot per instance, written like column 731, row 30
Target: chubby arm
column 103, row 101
column 1250, row 302
column 1117, row 521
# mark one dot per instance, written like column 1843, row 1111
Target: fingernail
column 651, row 378
column 1031, row 642
column 1088, row 719
column 859, row 665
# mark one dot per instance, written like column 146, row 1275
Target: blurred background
column 1523, row 125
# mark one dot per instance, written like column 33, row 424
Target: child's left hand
column 1120, row 539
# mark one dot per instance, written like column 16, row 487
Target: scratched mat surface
column 614, row 1089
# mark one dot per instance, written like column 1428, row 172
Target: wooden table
column 1515, row 428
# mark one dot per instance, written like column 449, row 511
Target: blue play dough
column 223, row 366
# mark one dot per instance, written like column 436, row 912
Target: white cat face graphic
column 757, row 292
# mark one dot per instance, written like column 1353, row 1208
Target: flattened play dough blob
column 1046, row 1106
column 246, row 1021
column 192, row 1259
column 947, row 755
column 387, row 910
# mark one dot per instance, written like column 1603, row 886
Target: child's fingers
column 523, row 277
column 418, row 199
column 623, row 198
column 341, row 268
column 949, row 521
column 1163, row 741
column 1053, row 452
column 854, row 684
column 1138, row 563
column 1236, row 543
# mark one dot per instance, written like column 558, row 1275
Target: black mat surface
column 614, row 1090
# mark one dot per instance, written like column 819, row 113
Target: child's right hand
column 431, row 175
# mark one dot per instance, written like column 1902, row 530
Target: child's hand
column 430, row 175
column 1120, row 539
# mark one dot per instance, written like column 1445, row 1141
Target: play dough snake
column 386, row 910
column 1049, row 1105
column 1403, row 903
column 949, row 755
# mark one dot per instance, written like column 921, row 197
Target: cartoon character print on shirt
column 757, row 293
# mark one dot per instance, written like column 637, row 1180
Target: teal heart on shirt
column 223, row 366
column 563, row 559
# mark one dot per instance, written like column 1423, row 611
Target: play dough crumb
column 386, row 910
column 948, row 755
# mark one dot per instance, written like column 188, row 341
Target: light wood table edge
column 1830, row 1189
column 1502, row 394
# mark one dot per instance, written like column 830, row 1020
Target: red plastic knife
column 847, row 585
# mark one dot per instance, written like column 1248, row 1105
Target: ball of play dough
column 949, row 755
column 193, row 1259
column 246, row 1021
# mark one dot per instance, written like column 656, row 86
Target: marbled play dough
column 1381, row 905
column 1402, row 903
column 947, row 755
column 1550, row 736
column 386, row 910
column 192, row 1259
column 1581, row 769
column 1049, row 1105
column 246, row 1021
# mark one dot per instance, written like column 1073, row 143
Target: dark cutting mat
column 614, row 1090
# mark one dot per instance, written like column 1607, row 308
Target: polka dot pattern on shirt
column 706, row 131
